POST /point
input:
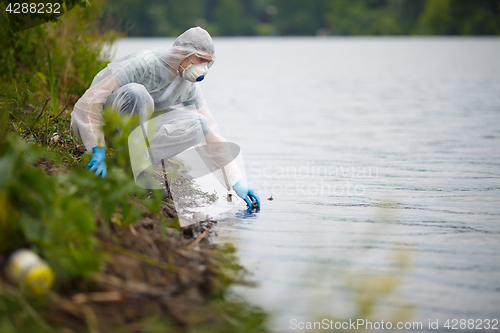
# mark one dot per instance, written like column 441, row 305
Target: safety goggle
column 209, row 61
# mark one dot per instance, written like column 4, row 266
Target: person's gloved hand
column 98, row 161
column 246, row 193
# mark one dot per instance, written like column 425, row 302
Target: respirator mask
column 194, row 73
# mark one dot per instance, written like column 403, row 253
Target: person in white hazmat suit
column 151, row 82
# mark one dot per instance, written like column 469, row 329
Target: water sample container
column 29, row 272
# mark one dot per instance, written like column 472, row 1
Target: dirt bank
column 157, row 277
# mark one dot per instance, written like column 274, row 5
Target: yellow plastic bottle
column 29, row 272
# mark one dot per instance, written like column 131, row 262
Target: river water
column 382, row 156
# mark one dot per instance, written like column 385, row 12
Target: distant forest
column 305, row 17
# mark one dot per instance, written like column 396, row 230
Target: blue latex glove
column 246, row 193
column 98, row 161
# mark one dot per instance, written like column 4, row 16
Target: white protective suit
column 148, row 83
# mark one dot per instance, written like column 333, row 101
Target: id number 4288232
column 33, row 8
column 476, row 324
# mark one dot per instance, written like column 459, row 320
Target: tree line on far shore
column 306, row 17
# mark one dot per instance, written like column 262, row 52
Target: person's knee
column 134, row 92
column 134, row 99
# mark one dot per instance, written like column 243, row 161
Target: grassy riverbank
column 121, row 261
